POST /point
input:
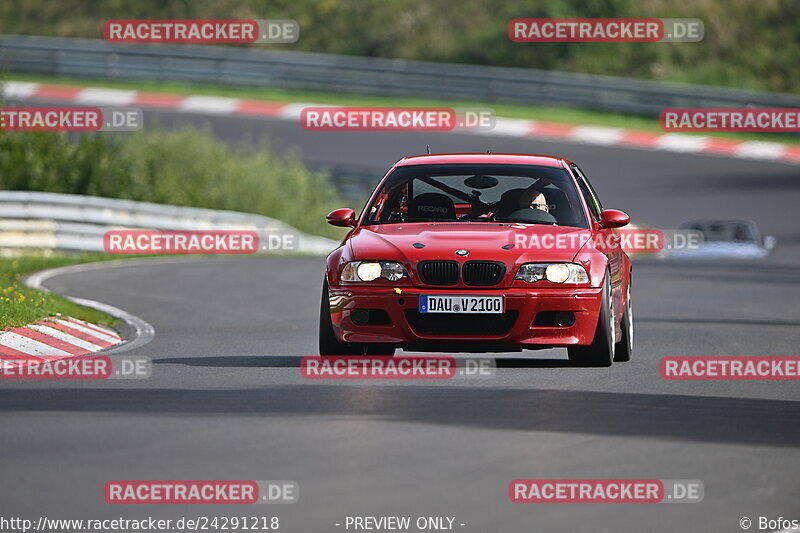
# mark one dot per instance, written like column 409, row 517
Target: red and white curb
column 140, row 331
column 61, row 337
column 507, row 127
column 55, row 338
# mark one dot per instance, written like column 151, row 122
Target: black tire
column 601, row 351
column 624, row 348
column 329, row 345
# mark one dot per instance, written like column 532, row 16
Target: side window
column 588, row 193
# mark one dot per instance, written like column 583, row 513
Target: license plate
column 461, row 304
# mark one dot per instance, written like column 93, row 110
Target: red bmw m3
column 480, row 253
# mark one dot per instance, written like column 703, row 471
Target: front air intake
column 438, row 272
column 483, row 273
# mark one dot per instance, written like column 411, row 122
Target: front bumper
column 514, row 331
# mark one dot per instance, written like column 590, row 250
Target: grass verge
column 547, row 114
column 21, row 305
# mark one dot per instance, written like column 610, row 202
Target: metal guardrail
column 231, row 66
column 73, row 222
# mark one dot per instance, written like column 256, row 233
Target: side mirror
column 344, row 217
column 613, row 218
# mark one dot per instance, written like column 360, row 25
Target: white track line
column 144, row 331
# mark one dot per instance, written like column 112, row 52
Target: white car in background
column 737, row 239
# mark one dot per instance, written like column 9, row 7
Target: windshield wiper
column 515, row 221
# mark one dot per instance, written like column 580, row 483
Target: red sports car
column 480, row 253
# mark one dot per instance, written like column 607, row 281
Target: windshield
column 526, row 194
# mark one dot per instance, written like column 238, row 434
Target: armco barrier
column 237, row 66
column 73, row 222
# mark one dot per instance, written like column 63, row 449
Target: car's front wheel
column 329, row 345
column 601, row 351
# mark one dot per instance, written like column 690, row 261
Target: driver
column 516, row 199
column 538, row 201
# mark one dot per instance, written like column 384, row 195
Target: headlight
column 372, row 270
column 552, row 272
column 368, row 271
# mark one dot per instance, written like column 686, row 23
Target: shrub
column 185, row 168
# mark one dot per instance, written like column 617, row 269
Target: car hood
column 513, row 244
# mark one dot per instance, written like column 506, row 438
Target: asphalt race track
column 226, row 400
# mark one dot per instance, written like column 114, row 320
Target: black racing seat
column 560, row 207
column 432, row 205
column 510, row 201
